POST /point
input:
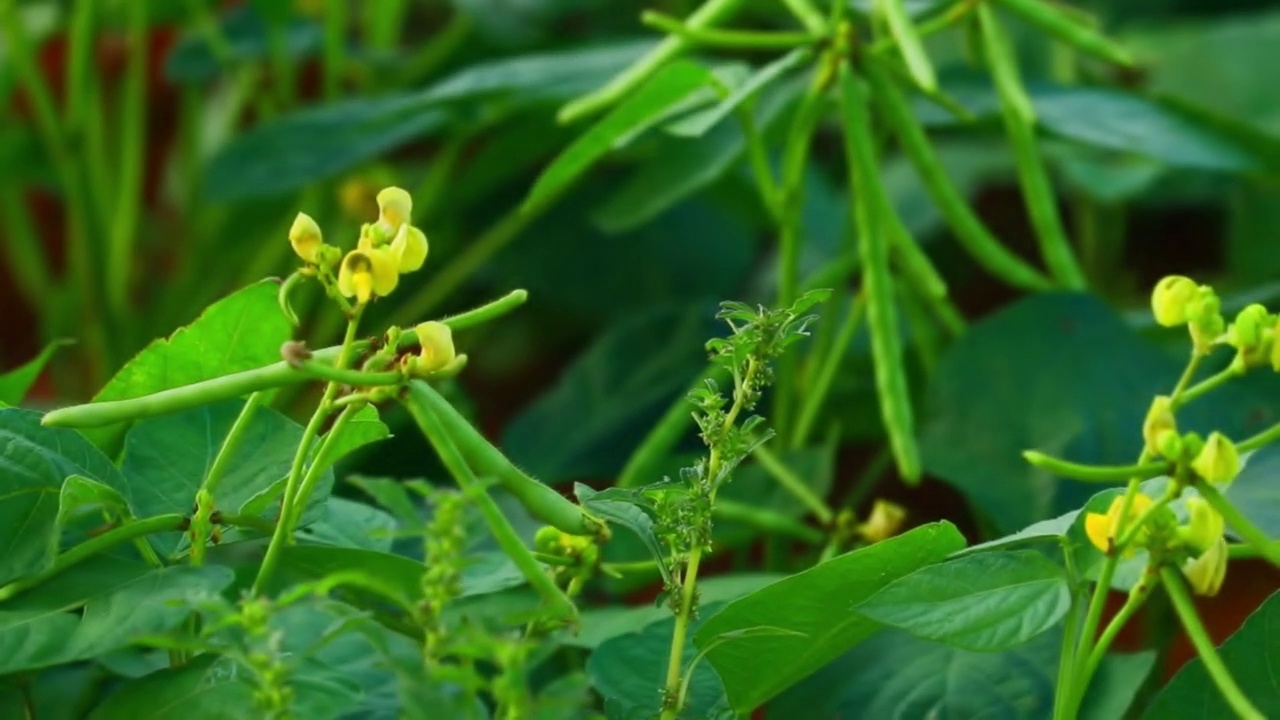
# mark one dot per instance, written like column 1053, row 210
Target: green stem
column 767, row 520
column 794, row 484
column 283, row 534
column 1262, row 439
column 1067, row 655
column 315, row 472
column 1205, row 386
column 133, row 133
column 816, row 395
column 232, row 441
column 561, row 607
column 712, row 12
column 1252, row 534
column 347, row 376
column 94, row 546
column 1186, row 609
column 1096, row 473
column 736, row 39
column 1137, row 597
column 807, row 14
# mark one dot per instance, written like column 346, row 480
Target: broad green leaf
column 895, row 675
column 77, row 585
column 816, row 602
column 242, row 331
column 628, row 515
column 627, row 379
column 667, row 87
column 1040, row 374
column 152, row 603
column 1045, row 531
column 347, row 523
column 392, row 496
column 81, row 495
column 218, row 688
column 990, row 601
column 166, row 460
column 1251, row 655
column 364, row 428
column 15, row 384
column 245, row 33
column 698, row 123
column 34, row 463
column 602, row 623
column 681, row 167
column 318, row 143
column 1255, row 491
column 629, row 670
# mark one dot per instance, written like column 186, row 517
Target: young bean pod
column 886, row 345
column 1069, row 31
column 909, row 43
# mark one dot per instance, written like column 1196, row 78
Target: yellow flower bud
column 885, row 521
column 394, row 208
column 1248, row 329
column 1102, row 529
column 304, row 236
column 1205, row 573
column 1169, row 300
column 1204, row 318
column 1159, row 421
column 437, row 346
column 365, row 274
column 1218, row 461
column 410, row 247
column 1205, row 526
column 1275, row 346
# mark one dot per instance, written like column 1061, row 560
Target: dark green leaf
column 756, row 669
column 347, row 523
column 152, row 603
column 990, row 601
column 667, row 87
column 15, row 384
column 697, row 124
column 192, row 60
column 629, row 515
column 1252, row 656
column 34, row 462
column 242, row 331
column 364, row 428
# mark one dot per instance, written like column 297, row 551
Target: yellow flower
column 1101, row 529
column 1169, row 300
column 304, row 236
column 410, row 248
column 884, row 522
column 1219, row 461
column 1206, row 573
column 366, row 273
column 394, row 208
column 436, row 340
column 1205, row 527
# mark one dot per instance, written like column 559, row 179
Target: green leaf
column 680, row 167
column 347, row 523
column 364, row 428
column 15, row 384
column 990, row 601
column 697, row 124
column 218, row 688
column 1251, row 655
column 1040, row 374
column 36, row 461
column 1255, row 492
column 392, row 496
column 629, row 671
column 77, row 585
column 629, row 515
column 896, row 675
column 245, row 32
column 756, row 669
column 166, row 460
column 81, row 495
column 599, row 624
column 627, row 378
column 242, row 331
column 150, row 604
column 666, row 88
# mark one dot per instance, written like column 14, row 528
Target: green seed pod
column 1219, row 461
column 1169, row 300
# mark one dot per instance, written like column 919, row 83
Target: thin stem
column 93, row 546
column 1096, row 473
column 321, row 462
column 1137, row 597
column 794, row 484
column 807, row 14
column 1126, row 538
column 1252, row 534
column 347, row 376
column 1067, row 655
column 231, row 442
column 954, row 14
column 133, row 132
column 766, row 520
column 1186, row 609
column 717, row 37
column 1205, row 386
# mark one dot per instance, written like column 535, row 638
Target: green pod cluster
column 981, row 245
column 441, row 422
column 882, row 316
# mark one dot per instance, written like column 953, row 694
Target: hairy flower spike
column 305, row 237
column 1218, row 462
column 1205, row 573
column 1169, row 300
column 1102, row 529
column 365, row 274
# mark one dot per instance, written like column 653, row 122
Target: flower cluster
column 1179, row 300
column 1198, row 545
column 385, row 250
